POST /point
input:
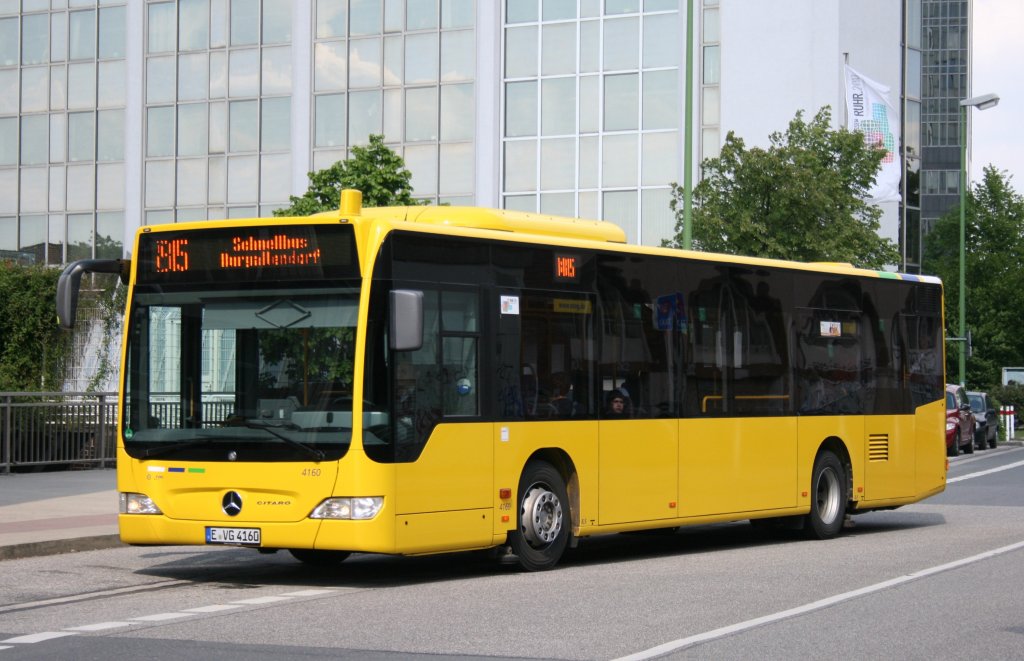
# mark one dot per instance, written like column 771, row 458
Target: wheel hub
column 828, row 496
column 541, row 516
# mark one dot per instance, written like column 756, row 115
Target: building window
column 616, row 63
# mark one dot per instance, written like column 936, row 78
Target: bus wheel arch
column 831, row 488
column 546, row 512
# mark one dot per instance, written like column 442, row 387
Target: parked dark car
column 986, row 422
column 959, row 421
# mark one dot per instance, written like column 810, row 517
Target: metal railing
column 70, row 429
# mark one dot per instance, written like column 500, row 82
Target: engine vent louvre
column 878, row 447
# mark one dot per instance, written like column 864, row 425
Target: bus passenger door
column 639, row 349
column 444, row 453
column 739, row 441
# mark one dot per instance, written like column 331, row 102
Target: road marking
column 160, row 617
column 307, row 593
column 216, row 608
column 91, row 595
column 99, row 626
column 985, row 472
column 722, row 632
column 38, row 637
column 260, row 600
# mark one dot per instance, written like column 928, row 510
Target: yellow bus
column 432, row 379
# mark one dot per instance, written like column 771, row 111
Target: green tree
column 802, row 198
column 33, row 350
column 380, row 174
column 994, row 251
column 375, row 169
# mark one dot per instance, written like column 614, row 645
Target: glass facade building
column 945, row 81
column 911, row 236
column 63, row 93
column 116, row 114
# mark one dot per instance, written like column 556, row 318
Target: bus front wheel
column 828, row 497
column 544, row 517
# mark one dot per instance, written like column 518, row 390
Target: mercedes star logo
column 231, row 503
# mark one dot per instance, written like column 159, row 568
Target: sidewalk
column 59, row 512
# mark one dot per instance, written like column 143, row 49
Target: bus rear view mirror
column 71, row 279
column 406, row 327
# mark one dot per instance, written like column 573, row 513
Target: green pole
column 688, row 134
column 962, row 357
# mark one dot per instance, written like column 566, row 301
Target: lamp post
column 688, row 134
column 983, row 102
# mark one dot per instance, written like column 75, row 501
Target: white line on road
column 722, row 632
column 255, row 601
column 216, row 608
column 100, row 626
column 160, row 617
column 159, row 585
column 986, row 472
column 38, row 637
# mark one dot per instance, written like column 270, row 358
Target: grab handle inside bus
column 71, row 280
column 406, row 327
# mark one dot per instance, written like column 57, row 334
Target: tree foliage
column 802, row 198
column 994, row 251
column 375, row 170
column 380, row 174
column 33, row 350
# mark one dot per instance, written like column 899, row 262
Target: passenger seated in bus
column 562, row 403
column 617, row 406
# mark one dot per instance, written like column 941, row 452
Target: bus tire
column 828, row 497
column 544, row 517
column 319, row 558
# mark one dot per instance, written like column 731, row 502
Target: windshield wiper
column 317, row 454
column 174, row 447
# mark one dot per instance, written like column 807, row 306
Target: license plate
column 244, row 536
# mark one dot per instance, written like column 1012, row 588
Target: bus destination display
column 247, row 253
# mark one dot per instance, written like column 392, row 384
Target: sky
column 997, row 66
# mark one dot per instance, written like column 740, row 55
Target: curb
column 58, row 546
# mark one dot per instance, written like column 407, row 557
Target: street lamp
column 983, row 102
column 688, row 134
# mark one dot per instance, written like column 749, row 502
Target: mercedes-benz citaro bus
column 419, row 380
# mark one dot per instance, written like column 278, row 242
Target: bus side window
column 417, row 385
column 760, row 357
column 707, row 367
column 439, row 380
column 642, row 321
column 556, row 354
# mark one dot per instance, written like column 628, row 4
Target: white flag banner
column 869, row 111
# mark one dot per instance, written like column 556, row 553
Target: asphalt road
column 940, row 579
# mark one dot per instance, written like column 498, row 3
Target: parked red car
column 959, row 421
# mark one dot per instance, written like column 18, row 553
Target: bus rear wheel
column 544, row 517
column 828, row 497
column 319, row 558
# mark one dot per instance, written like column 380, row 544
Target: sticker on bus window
column 572, row 306
column 831, row 329
column 510, row 305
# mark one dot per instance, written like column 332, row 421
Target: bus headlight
column 348, row 508
column 137, row 503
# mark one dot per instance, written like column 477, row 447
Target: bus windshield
column 244, row 375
